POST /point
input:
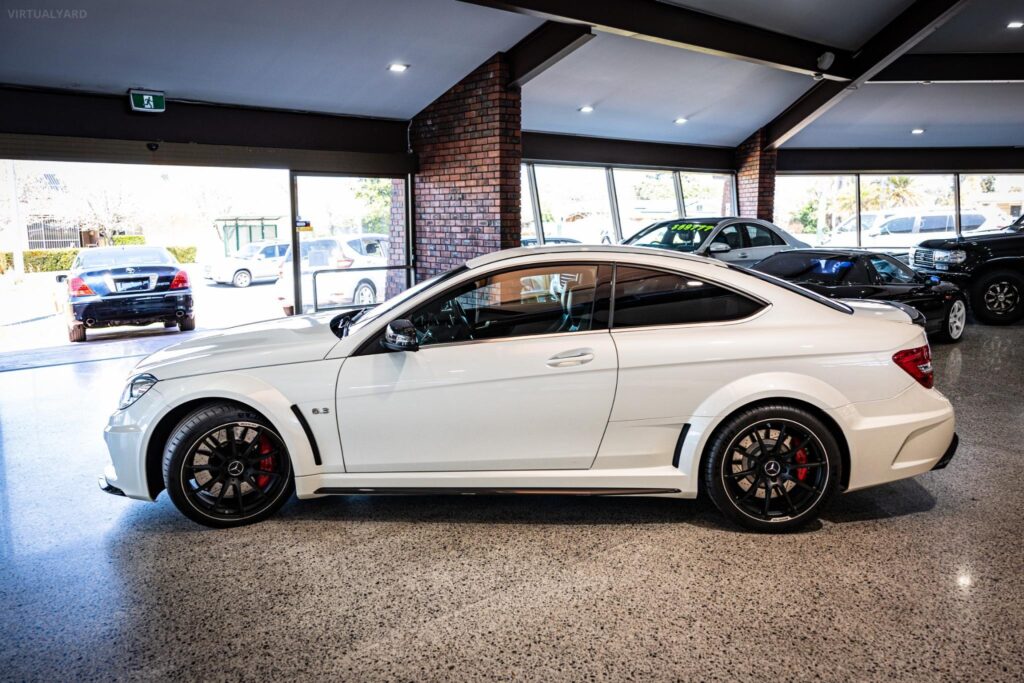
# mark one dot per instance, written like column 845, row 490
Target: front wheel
column 226, row 466
column 954, row 322
column 242, row 278
column 772, row 468
column 365, row 295
column 998, row 298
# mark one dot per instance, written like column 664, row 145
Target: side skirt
column 335, row 490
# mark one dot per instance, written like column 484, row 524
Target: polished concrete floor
column 920, row 580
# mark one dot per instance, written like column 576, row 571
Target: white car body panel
column 492, row 414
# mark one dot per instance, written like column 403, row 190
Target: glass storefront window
column 644, row 197
column 819, row 209
column 527, row 215
column 574, row 204
column 990, row 201
column 904, row 210
column 708, row 194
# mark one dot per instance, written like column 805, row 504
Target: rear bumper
column 948, row 455
column 132, row 310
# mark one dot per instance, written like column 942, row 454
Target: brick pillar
column 396, row 238
column 755, row 177
column 469, row 143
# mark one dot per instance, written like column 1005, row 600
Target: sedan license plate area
column 132, row 285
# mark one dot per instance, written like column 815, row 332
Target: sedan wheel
column 225, row 466
column 772, row 468
column 956, row 321
column 364, row 295
column 242, row 278
column 998, row 298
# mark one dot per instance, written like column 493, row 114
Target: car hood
column 980, row 239
column 297, row 339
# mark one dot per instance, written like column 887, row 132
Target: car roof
column 584, row 250
column 123, row 247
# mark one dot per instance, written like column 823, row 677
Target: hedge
column 126, row 240
column 50, row 260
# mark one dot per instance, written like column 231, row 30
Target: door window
column 730, row 235
column 650, row 297
column 890, row 271
column 761, row 236
column 528, row 301
column 897, row 225
column 269, row 252
column 939, row 223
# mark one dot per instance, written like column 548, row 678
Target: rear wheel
column 365, row 294
column 954, row 323
column 187, row 324
column 998, row 298
column 772, row 468
column 226, row 466
column 242, row 278
column 76, row 332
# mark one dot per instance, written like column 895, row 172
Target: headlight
column 137, row 386
column 955, row 256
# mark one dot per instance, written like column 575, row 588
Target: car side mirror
column 400, row 336
column 62, row 278
column 719, row 248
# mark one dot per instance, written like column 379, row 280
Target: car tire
column 954, row 322
column 997, row 298
column 225, row 466
column 187, row 324
column 76, row 333
column 788, row 469
column 365, row 294
column 242, row 278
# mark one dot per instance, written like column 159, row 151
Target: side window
column 650, row 297
column 936, row 223
column 857, row 274
column 890, row 272
column 761, row 236
column 971, row 221
column 529, row 301
column 730, row 235
column 268, row 252
column 897, row 226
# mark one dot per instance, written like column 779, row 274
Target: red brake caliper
column 801, row 457
column 266, row 464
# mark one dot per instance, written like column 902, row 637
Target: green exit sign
column 147, row 100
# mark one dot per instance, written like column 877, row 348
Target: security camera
column 152, row 146
column 826, row 60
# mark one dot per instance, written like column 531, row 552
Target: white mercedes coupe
column 615, row 371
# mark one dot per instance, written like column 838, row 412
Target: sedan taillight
column 918, row 364
column 180, row 280
column 345, row 262
column 77, row 287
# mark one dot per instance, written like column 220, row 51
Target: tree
column 375, row 193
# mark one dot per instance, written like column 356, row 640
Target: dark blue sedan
column 110, row 286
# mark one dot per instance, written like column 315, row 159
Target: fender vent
column 309, row 434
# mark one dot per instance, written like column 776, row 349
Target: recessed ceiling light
column 586, row 109
column 680, row 121
column 1015, row 24
column 917, row 131
column 398, row 68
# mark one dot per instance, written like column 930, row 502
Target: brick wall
column 396, row 237
column 469, row 143
column 755, row 177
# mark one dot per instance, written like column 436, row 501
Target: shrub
column 183, row 254
column 49, row 260
column 128, row 240
column 6, row 260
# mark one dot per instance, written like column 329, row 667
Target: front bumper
column 126, row 434
column 132, row 310
column 105, row 484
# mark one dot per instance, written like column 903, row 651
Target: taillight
column 345, row 263
column 180, row 280
column 918, row 364
column 77, row 287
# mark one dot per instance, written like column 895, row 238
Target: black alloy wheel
column 772, row 468
column 226, row 466
column 998, row 298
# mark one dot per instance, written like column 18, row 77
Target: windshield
column 370, row 314
column 115, row 257
column 685, row 236
column 796, row 289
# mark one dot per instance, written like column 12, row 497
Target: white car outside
column 906, row 228
column 330, row 258
column 255, row 262
column 601, row 370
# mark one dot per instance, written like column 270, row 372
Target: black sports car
column 860, row 274
column 135, row 285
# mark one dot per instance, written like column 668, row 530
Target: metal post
column 956, row 205
column 296, row 247
column 613, row 201
column 857, row 177
column 410, row 231
column 677, row 182
column 531, row 176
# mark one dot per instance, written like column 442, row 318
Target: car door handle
column 570, row 358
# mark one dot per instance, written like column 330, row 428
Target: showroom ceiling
column 332, row 56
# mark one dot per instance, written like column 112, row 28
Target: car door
column 516, row 370
column 731, row 235
column 265, row 264
column 900, row 283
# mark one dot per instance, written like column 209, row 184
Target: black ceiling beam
column 989, row 67
column 545, row 47
column 680, row 27
column 581, row 149
column 912, row 26
column 898, row 159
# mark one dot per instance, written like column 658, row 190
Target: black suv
column 988, row 266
